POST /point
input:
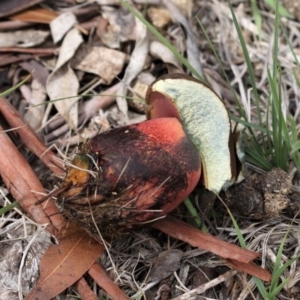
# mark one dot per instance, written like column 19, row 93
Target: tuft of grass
column 279, row 139
column 276, row 284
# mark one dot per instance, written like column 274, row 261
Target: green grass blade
column 190, row 207
column 8, row 207
column 248, row 62
column 7, row 92
column 261, row 287
column 257, row 17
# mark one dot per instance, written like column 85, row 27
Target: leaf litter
column 116, row 31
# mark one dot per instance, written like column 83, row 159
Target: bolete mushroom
column 137, row 173
column 205, row 120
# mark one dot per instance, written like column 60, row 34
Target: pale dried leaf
column 120, row 28
column 63, row 83
column 159, row 16
column 71, row 42
column 108, row 2
column 185, row 6
column 139, row 90
column 136, row 63
column 23, row 38
column 38, row 71
column 61, row 25
column 193, row 53
column 34, row 114
column 104, row 62
column 162, row 52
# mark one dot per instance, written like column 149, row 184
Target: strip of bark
column 84, row 290
column 197, row 238
column 46, row 51
column 100, row 276
column 30, row 138
column 26, row 189
column 250, row 268
column 238, row 258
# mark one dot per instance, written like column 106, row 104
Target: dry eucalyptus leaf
column 61, row 25
column 65, row 263
column 23, row 38
column 35, row 15
column 70, row 44
column 136, row 63
column 34, row 114
column 162, row 52
column 159, row 16
column 38, row 71
column 104, row 62
column 120, row 28
column 63, row 84
column 167, row 262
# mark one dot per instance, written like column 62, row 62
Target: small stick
column 204, row 287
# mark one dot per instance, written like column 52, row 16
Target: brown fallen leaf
column 65, row 263
column 35, row 15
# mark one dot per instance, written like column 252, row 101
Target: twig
column 30, row 50
column 202, row 288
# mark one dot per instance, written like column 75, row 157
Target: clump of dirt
column 260, row 196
